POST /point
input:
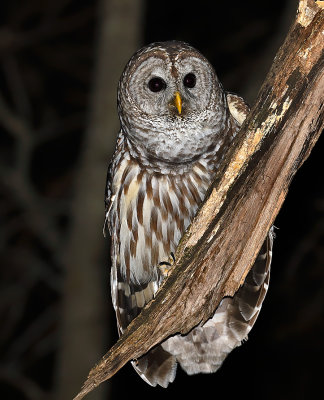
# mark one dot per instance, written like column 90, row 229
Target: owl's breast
column 151, row 212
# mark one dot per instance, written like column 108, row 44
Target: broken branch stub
column 221, row 244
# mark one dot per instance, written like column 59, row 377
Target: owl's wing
column 109, row 196
column 204, row 349
column 157, row 367
column 108, row 199
column 237, row 107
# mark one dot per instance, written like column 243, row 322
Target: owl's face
column 170, row 102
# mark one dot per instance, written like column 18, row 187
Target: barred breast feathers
column 147, row 212
column 151, row 211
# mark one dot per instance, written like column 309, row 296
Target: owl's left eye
column 189, row 80
column 156, row 84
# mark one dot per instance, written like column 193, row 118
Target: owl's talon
column 164, row 263
column 165, row 267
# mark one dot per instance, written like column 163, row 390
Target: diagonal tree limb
column 218, row 249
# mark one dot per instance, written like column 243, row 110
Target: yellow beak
column 178, row 102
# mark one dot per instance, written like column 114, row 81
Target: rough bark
column 223, row 240
column 84, row 327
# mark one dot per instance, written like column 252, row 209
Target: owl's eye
column 189, row 80
column 156, row 84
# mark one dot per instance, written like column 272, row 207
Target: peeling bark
column 221, row 244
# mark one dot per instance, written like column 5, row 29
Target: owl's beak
column 178, row 102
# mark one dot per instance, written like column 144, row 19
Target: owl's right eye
column 156, row 84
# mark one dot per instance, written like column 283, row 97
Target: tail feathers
column 157, row 367
column 204, row 349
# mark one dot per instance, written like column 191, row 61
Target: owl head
column 171, row 105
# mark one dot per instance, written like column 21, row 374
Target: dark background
column 48, row 72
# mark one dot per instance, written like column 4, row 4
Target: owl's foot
column 165, row 267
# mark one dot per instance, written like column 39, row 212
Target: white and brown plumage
column 176, row 124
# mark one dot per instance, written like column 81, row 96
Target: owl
column 177, row 123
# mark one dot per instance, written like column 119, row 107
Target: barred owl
column 176, row 124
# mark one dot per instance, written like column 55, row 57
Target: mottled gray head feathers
column 170, row 102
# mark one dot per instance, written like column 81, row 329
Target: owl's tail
column 157, row 367
column 205, row 348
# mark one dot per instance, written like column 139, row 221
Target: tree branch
column 243, row 201
column 84, row 316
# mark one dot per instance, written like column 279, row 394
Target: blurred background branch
column 86, row 289
column 59, row 66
